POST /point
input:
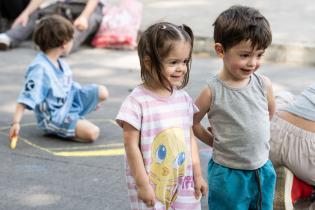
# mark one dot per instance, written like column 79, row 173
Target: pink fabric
column 120, row 25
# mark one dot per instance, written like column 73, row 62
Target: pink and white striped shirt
column 164, row 124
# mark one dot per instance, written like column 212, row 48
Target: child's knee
column 102, row 93
column 93, row 134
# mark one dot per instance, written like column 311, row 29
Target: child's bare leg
column 86, row 131
column 102, row 95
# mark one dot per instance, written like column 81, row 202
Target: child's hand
column 14, row 130
column 201, row 187
column 13, row 135
column 147, row 195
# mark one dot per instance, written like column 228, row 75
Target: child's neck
column 162, row 92
column 232, row 81
column 54, row 55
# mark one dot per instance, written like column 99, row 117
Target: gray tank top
column 240, row 123
column 304, row 104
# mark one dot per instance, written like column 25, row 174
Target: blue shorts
column 85, row 100
column 240, row 189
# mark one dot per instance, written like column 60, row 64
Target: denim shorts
column 85, row 100
column 240, row 189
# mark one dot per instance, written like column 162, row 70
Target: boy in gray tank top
column 239, row 104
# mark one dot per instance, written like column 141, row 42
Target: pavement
column 46, row 173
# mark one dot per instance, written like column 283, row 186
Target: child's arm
column 203, row 103
column 201, row 187
column 135, row 161
column 270, row 97
column 15, row 128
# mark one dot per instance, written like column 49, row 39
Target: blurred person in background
column 9, row 11
column 292, row 149
column 86, row 15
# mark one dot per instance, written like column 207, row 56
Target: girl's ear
column 219, row 49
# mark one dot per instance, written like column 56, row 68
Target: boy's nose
column 252, row 62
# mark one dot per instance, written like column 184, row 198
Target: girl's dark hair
column 241, row 23
column 154, row 46
column 52, row 31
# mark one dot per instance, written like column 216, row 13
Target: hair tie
column 163, row 27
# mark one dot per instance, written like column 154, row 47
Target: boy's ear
column 63, row 46
column 219, row 49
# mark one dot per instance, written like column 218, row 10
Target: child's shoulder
column 35, row 68
column 212, row 77
column 181, row 92
column 138, row 90
column 262, row 80
column 39, row 62
column 136, row 94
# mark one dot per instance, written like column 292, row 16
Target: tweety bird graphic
column 168, row 164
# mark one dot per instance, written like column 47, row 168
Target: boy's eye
column 244, row 55
column 260, row 55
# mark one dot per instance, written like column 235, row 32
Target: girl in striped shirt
column 163, row 167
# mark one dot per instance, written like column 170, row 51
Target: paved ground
column 48, row 173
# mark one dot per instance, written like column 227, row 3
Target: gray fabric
column 240, row 124
column 20, row 33
column 304, row 104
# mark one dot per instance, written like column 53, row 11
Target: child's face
column 67, row 47
column 175, row 64
column 242, row 60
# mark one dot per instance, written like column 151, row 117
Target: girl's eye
column 161, row 153
column 173, row 62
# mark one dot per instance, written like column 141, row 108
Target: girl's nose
column 181, row 66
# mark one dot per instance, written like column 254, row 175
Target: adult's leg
column 20, row 33
column 295, row 151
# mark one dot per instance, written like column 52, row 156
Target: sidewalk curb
column 279, row 53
